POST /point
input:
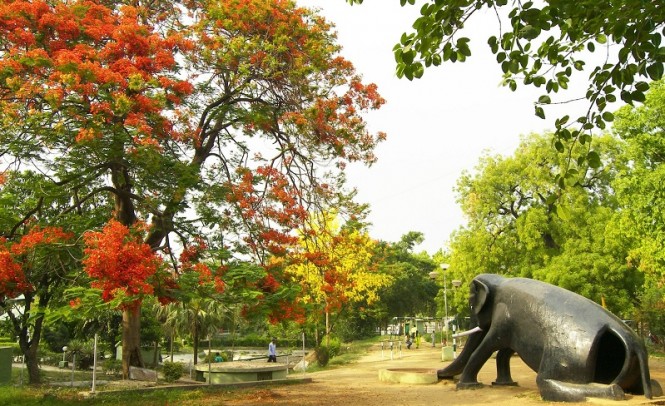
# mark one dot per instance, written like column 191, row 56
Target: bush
column 322, row 355
column 48, row 357
column 85, row 354
column 112, row 367
column 173, row 371
column 334, row 345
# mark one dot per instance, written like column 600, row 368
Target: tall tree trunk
column 131, row 339
column 327, row 329
column 30, row 344
column 32, row 363
column 125, row 213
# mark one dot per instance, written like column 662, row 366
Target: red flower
column 119, row 262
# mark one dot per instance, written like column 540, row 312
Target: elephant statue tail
column 650, row 386
column 622, row 359
column 457, row 366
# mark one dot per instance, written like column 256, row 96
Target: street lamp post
column 456, row 284
column 444, row 268
column 433, row 275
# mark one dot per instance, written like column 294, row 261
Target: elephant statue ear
column 479, row 294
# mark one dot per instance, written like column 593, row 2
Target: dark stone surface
column 578, row 348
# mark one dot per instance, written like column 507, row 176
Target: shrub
column 211, row 357
column 173, row 371
column 322, row 355
column 84, row 353
column 112, row 367
column 334, row 345
column 48, row 357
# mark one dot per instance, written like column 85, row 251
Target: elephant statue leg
column 656, row 389
column 557, row 391
column 469, row 376
column 503, row 377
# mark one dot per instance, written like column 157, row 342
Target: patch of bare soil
column 358, row 384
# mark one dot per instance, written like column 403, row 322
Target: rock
column 301, row 366
column 142, row 374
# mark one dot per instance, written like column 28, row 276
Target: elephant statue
column 577, row 348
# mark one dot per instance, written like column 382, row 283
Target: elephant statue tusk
column 468, row 332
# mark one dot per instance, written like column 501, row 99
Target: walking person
column 272, row 351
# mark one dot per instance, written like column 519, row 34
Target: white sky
column 437, row 126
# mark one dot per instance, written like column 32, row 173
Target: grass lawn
column 46, row 395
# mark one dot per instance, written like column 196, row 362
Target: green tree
column 35, row 267
column 544, row 44
column 639, row 192
column 412, row 292
column 514, row 229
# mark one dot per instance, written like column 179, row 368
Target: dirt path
column 358, row 384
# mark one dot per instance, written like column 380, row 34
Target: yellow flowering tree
column 336, row 267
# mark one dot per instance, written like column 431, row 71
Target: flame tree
column 224, row 116
column 35, row 263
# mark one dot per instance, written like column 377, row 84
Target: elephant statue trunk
column 577, row 348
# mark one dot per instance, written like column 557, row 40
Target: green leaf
column 418, row 70
column 559, row 146
column 408, row 72
column 544, row 99
column 642, row 86
column 563, row 212
column 494, row 44
column 408, row 57
column 399, row 71
column 593, row 159
column 540, row 112
column 638, row 96
column 655, row 70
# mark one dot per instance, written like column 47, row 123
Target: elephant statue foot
column 503, row 377
column 498, row 383
column 656, row 389
column 557, row 391
column 469, row 385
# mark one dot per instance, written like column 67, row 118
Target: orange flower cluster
column 119, row 262
column 37, row 236
column 268, row 202
column 189, row 259
column 287, row 311
column 108, row 63
column 13, row 280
